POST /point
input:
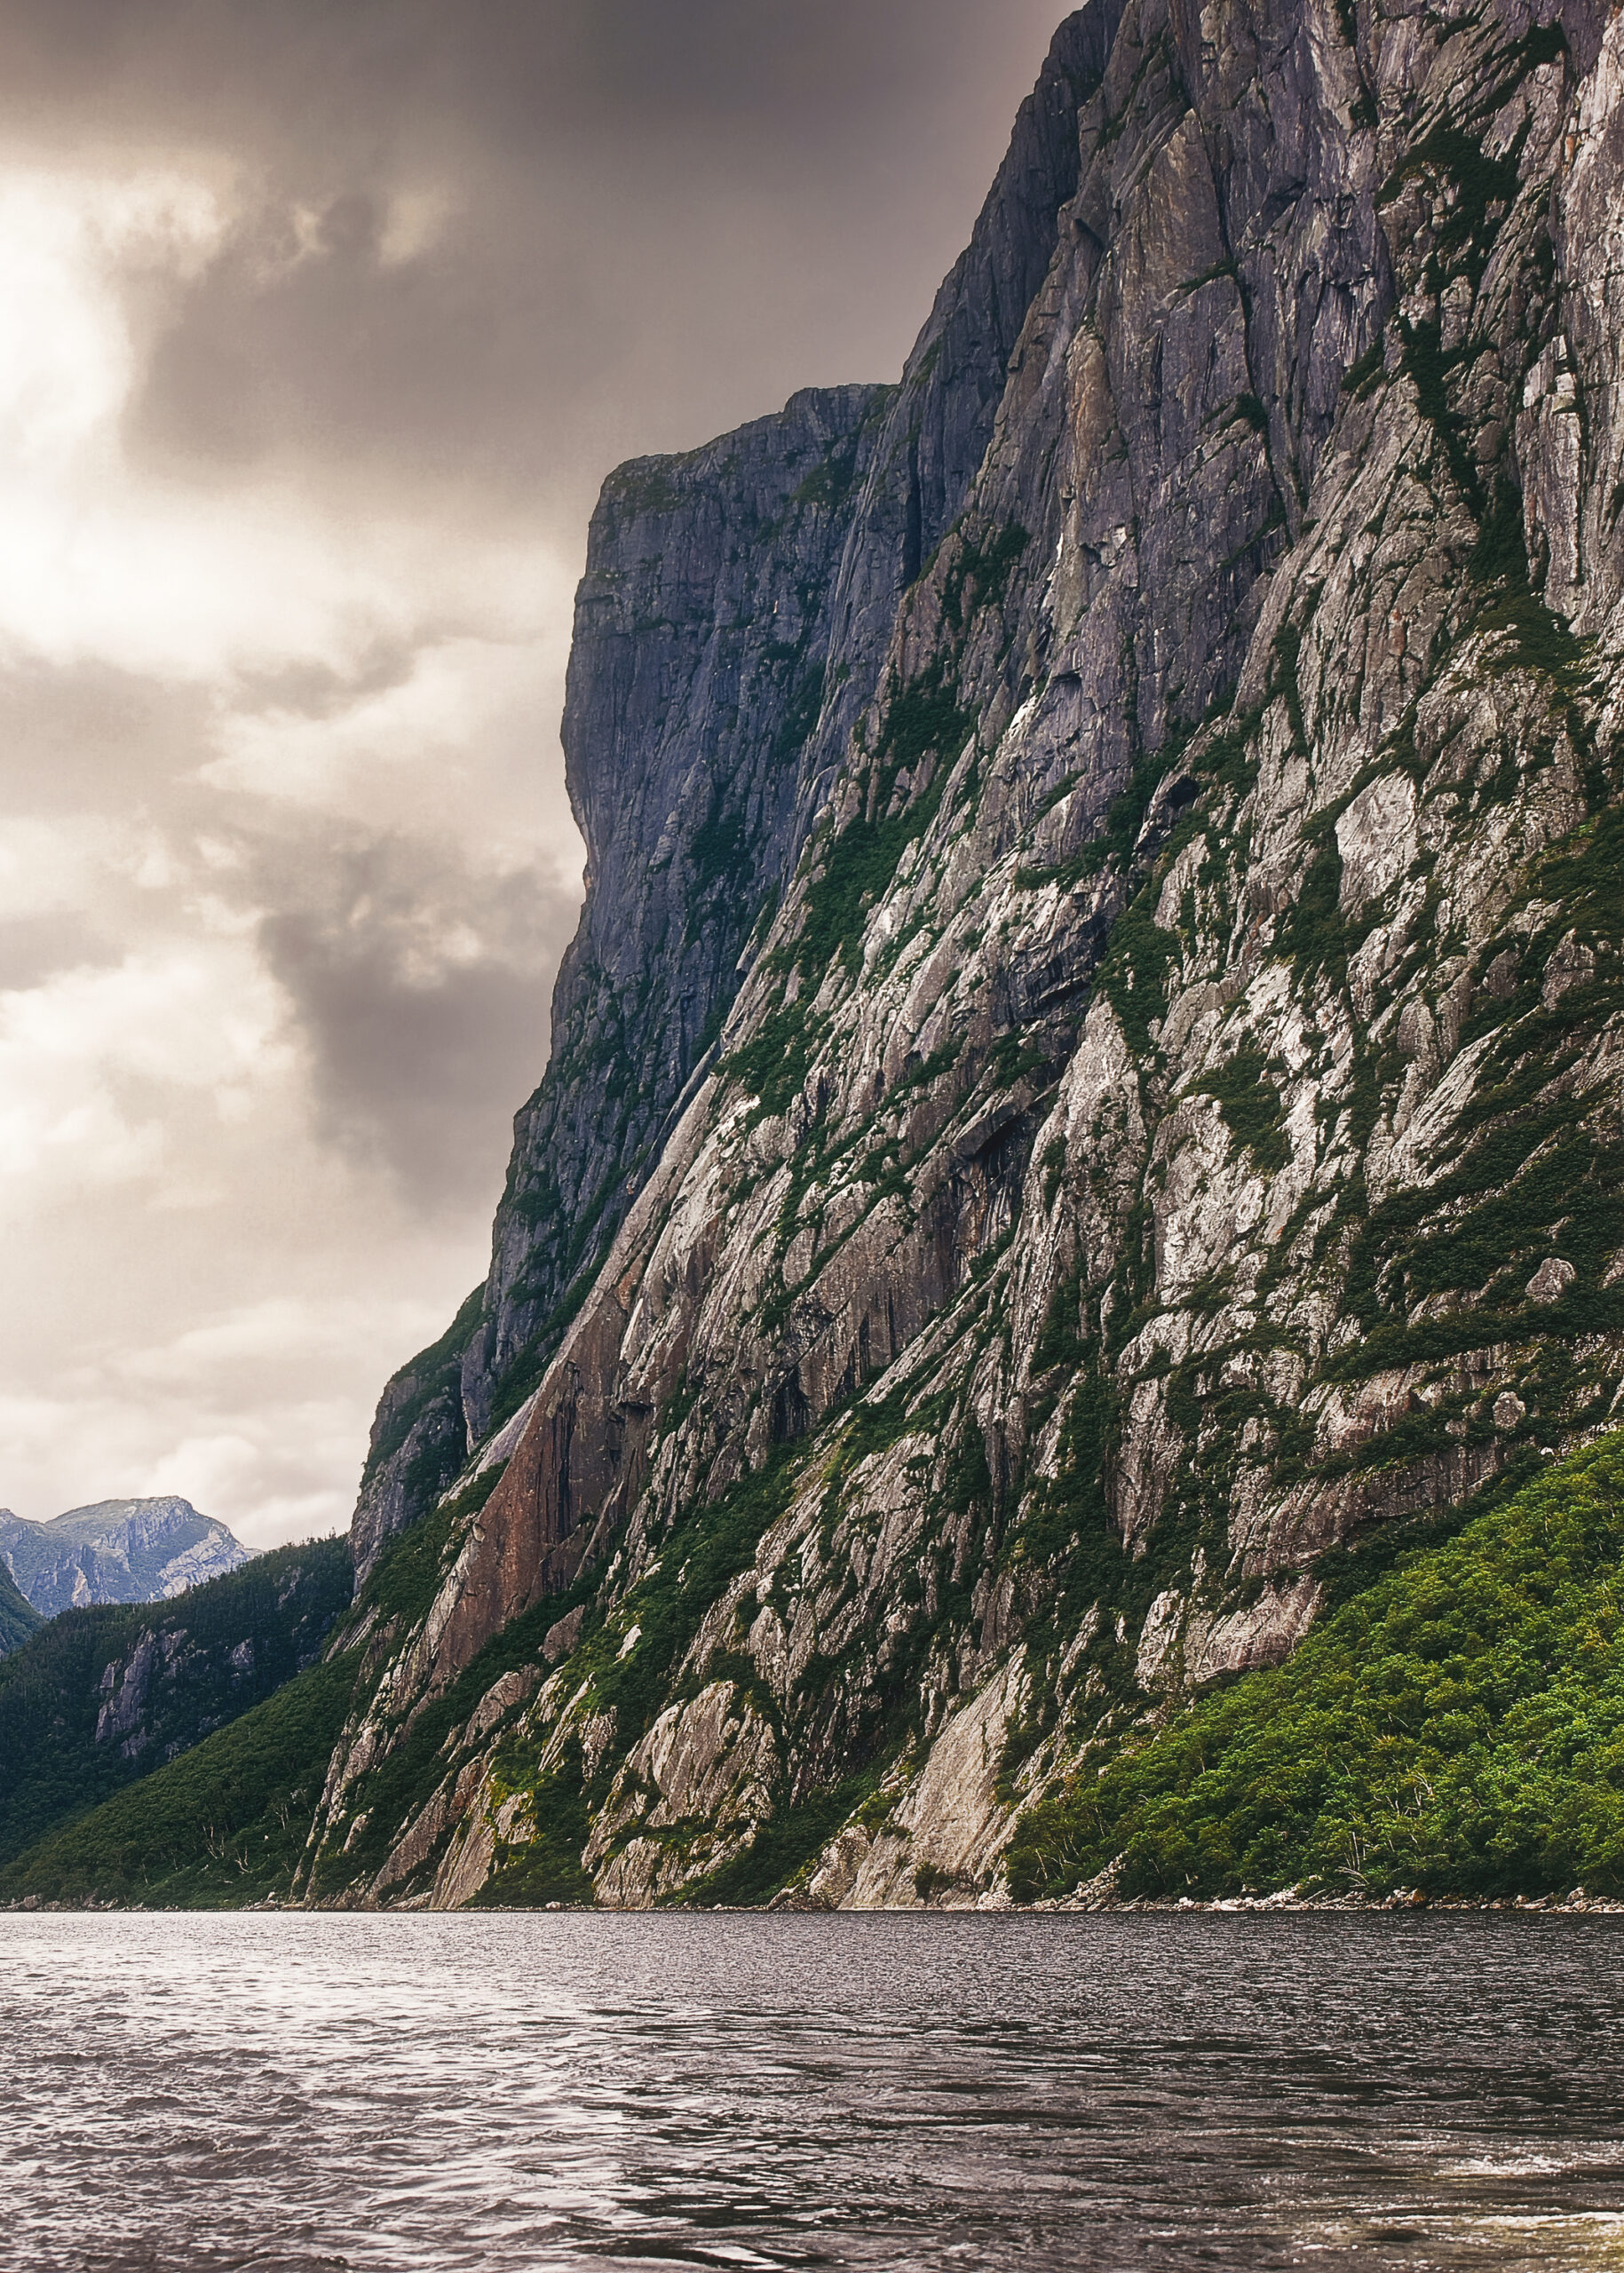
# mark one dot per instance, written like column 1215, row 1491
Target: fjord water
column 506, row 2091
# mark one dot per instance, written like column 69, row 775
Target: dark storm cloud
column 421, row 988
column 452, row 367
column 502, row 69
column 663, row 217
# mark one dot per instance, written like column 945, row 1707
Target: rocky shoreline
column 1412, row 1900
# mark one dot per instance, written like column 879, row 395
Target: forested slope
column 97, row 1697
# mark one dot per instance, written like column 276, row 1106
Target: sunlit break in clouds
column 318, row 331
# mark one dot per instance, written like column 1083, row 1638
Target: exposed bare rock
column 1176, row 1096
column 736, row 612
column 1550, row 1281
column 943, row 1836
column 562, row 1635
column 116, row 1550
column 690, row 1795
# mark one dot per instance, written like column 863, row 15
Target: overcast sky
column 320, row 322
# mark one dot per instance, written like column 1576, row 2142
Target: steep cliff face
column 1168, row 1136
column 731, row 627
column 702, row 640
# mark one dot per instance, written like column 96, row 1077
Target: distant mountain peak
column 115, row 1550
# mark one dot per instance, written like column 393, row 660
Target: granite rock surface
column 1137, row 1115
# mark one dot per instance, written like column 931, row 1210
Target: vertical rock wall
column 1173, row 1123
column 733, row 620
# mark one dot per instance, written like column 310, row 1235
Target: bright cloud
column 98, row 561
column 317, row 327
column 349, row 820
column 459, row 697
column 67, row 360
column 86, row 1059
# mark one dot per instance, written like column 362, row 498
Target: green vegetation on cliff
column 1458, row 1727
column 222, row 1826
column 99, row 1697
column 18, row 1616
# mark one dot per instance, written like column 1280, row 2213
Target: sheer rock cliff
column 1108, row 1052
column 733, row 619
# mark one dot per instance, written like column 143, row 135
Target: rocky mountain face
column 1086, row 1109
column 732, row 623
column 118, row 1550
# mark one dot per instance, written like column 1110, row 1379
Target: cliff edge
column 1088, row 1107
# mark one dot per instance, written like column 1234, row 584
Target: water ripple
column 496, row 2094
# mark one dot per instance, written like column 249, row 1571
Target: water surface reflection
column 490, row 2093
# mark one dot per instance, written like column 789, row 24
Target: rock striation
column 1111, row 1108
column 731, row 625
column 118, row 1551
